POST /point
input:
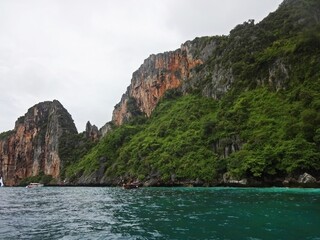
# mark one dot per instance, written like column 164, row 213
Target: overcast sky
column 83, row 52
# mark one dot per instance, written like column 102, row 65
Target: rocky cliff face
column 155, row 76
column 32, row 148
column 201, row 65
column 247, row 131
column 213, row 65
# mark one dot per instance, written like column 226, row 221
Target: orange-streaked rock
column 33, row 146
column 155, row 76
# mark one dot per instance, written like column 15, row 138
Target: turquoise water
column 159, row 213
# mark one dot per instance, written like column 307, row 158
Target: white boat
column 1, row 182
column 34, row 185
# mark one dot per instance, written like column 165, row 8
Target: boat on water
column 1, row 182
column 34, row 185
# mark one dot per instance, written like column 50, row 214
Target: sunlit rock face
column 32, row 148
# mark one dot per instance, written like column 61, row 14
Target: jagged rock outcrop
column 92, row 132
column 306, row 178
column 32, row 148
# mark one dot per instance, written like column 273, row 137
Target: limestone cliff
column 32, row 148
column 155, row 76
column 212, row 66
column 262, row 128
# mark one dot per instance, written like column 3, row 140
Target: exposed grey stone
column 228, row 179
column 151, row 182
column 106, row 129
column 306, row 178
column 92, row 132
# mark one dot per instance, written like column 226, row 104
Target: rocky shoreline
column 305, row 180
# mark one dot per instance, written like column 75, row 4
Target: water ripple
column 159, row 213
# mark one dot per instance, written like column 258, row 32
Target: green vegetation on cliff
column 188, row 138
column 169, row 143
column 279, row 135
column 264, row 125
column 73, row 147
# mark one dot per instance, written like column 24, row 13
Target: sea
column 159, row 213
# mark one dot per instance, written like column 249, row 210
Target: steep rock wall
column 195, row 66
column 155, row 76
column 32, row 148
